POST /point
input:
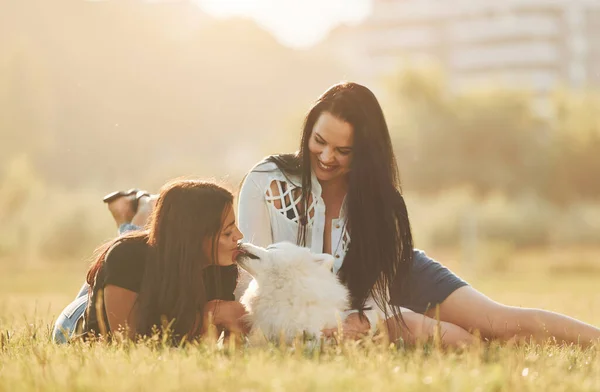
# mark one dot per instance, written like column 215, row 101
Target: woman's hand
column 353, row 327
column 226, row 314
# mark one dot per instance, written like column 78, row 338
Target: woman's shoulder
column 267, row 170
column 266, row 165
column 128, row 250
column 125, row 263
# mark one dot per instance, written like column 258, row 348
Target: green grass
column 32, row 295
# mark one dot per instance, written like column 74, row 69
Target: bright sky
column 296, row 23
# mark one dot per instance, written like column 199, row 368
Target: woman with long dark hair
column 340, row 194
column 175, row 272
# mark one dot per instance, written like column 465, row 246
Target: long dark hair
column 380, row 252
column 186, row 214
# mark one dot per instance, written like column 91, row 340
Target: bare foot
column 122, row 209
column 145, row 208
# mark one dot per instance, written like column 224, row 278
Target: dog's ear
column 325, row 259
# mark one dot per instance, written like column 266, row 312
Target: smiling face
column 330, row 146
column 227, row 243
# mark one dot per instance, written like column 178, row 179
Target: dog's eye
column 250, row 255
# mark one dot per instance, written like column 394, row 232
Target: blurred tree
column 127, row 89
column 574, row 164
column 25, row 107
column 19, row 186
column 485, row 139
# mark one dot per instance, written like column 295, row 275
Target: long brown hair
column 380, row 252
column 186, row 215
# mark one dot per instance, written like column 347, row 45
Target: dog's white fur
column 293, row 291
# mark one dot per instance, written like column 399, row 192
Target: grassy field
column 32, row 294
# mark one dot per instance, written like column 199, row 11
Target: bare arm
column 229, row 315
column 121, row 309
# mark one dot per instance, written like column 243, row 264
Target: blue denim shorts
column 430, row 283
column 70, row 319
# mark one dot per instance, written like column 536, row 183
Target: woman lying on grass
column 179, row 270
column 340, row 194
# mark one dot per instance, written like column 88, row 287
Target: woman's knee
column 420, row 328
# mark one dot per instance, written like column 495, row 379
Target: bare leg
column 145, row 208
column 472, row 310
column 122, row 209
column 422, row 328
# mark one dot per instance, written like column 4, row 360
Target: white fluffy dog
column 294, row 291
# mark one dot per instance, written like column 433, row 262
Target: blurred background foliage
column 96, row 97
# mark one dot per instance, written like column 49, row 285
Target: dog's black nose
column 245, row 253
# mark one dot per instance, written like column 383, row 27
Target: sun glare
column 294, row 23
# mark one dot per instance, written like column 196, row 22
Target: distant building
column 536, row 44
